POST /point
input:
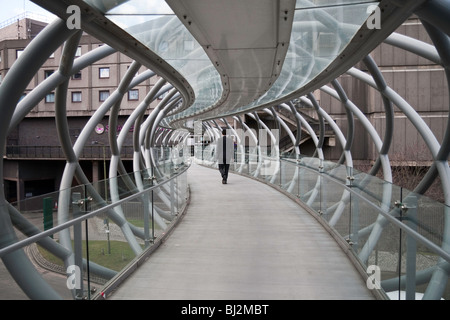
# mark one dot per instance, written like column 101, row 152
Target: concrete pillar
column 95, row 171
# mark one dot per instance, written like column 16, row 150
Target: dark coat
column 229, row 150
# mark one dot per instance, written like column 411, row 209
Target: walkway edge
column 111, row 285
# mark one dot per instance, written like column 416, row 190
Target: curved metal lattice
column 292, row 116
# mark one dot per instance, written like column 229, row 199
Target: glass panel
column 103, row 239
column 352, row 203
column 290, row 177
column 42, row 212
column 161, row 31
column 430, row 218
column 321, row 30
column 319, row 34
column 301, row 4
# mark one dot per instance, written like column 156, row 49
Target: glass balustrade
column 398, row 238
column 88, row 236
column 98, row 232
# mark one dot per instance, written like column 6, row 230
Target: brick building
column 34, row 160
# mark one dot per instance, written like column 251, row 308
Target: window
column 103, row 73
column 133, row 94
column 18, row 53
column 78, row 52
column 48, row 73
column 77, row 76
column 103, row 95
column 50, row 97
column 76, row 96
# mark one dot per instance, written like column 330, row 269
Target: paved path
column 244, row 240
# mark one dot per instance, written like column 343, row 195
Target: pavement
column 244, row 240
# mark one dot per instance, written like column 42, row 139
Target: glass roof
column 321, row 30
column 319, row 34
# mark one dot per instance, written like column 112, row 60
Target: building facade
column 33, row 146
column 35, row 161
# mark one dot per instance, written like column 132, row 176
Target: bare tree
column 409, row 167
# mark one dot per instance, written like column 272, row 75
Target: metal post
column 86, row 208
column 400, row 245
column 355, row 225
column 87, row 261
column 172, row 196
column 411, row 249
column 146, row 204
column 77, row 243
column 12, row 88
column 153, row 221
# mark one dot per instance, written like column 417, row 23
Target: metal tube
column 11, row 90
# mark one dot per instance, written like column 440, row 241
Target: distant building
column 34, row 160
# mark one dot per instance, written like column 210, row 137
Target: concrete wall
column 420, row 82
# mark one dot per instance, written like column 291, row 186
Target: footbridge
column 247, row 241
column 320, row 123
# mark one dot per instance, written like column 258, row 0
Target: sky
column 12, row 8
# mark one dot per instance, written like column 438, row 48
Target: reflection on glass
column 357, row 211
column 320, row 31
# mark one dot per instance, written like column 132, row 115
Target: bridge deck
column 244, row 240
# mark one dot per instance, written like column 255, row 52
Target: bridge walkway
column 243, row 241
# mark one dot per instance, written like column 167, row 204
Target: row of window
column 103, row 73
column 133, row 95
column 20, row 51
column 76, row 96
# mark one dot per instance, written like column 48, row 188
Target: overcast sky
column 11, row 8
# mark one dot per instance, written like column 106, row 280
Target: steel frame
column 434, row 16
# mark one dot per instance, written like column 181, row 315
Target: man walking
column 224, row 154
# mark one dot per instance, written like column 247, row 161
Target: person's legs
column 222, row 172
column 225, row 173
column 223, row 169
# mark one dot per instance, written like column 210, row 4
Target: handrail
column 95, row 151
column 370, row 216
column 442, row 253
column 72, row 222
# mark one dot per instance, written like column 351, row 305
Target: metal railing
column 56, row 152
column 397, row 239
column 95, row 236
